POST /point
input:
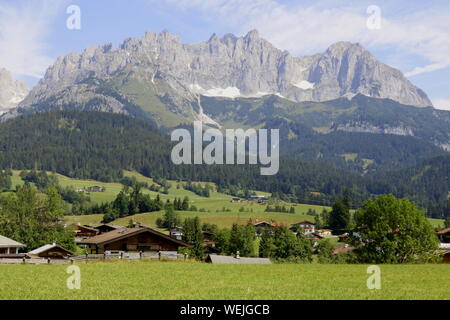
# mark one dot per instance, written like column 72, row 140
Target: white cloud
column 311, row 28
column 442, row 104
column 24, row 28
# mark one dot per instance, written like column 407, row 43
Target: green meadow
column 199, row 281
column 216, row 209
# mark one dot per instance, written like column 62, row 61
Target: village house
column 95, row 189
column 83, row 232
column 325, row 233
column 9, row 246
column 141, row 239
column 208, row 238
column 259, row 199
column 260, row 226
column 209, row 242
column 50, row 251
column 236, row 200
column 343, row 238
column 104, row 228
column 86, row 231
column 444, row 235
column 176, row 233
column 307, row 227
column 314, row 237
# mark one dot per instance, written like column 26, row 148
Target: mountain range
column 342, row 107
column 161, row 75
column 12, row 92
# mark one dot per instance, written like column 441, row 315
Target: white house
column 307, row 227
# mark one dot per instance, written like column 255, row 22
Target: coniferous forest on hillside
column 95, row 145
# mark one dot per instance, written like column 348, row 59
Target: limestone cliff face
column 11, row 92
column 227, row 66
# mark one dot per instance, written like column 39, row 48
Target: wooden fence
column 100, row 257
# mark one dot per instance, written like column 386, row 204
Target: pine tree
column 267, row 245
column 193, row 235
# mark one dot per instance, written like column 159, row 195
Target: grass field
column 226, row 219
column 149, row 280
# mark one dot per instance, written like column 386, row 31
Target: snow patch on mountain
column 304, row 85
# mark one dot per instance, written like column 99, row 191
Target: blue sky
column 414, row 36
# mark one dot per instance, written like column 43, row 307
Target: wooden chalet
column 142, row 239
column 9, row 246
column 50, row 251
column 86, row 231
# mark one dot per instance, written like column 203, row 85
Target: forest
column 99, row 146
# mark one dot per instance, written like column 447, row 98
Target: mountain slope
column 378, row 133
column 175, row 75
column 98, row 145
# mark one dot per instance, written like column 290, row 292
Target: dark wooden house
column 133, row 240
column 86, row 231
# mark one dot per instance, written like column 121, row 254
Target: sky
column 413, row 36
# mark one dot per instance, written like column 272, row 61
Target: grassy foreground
column 184, row 280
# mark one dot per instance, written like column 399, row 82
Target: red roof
column 273, row 224
column 444, row 231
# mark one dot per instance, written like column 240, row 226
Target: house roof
column 48, row 247
column 273, row 224
column 215, row 259
column 304, row 222
column 124, row 233
column 443, row 231
column 107, row 225
column 89, row 228
column 262, row 223
column 9, row 243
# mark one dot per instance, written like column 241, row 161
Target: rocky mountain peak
column 252, row 35
column 227, row 66
column 12, row 92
